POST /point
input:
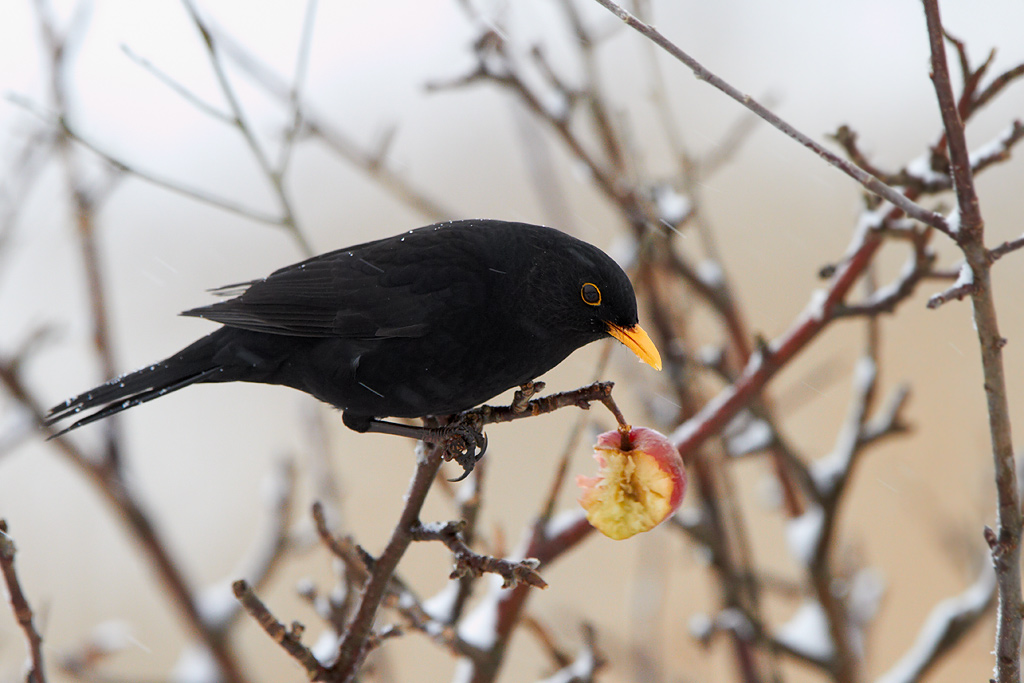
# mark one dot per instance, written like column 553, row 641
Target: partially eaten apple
column 636, row 488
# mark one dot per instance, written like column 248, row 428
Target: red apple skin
column 649, row 471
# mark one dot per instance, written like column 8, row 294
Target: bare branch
column 84, row 211
column 122, row 498
column 870, row 183
column 1005, row 248
column 318, row 126
column 584, row 668
column 21, row 608
column 501, row 610
column 581, row 398
column 186, row 94
column 295, row 96
column 287, row 638
column 263, row 558
column 764, row 364
column 1005, row 541
column 997, row 85
column 475, row 564
column 964, row 286
column 171, row 185
column 353, row 647
column 886, row 299
column 288, row 220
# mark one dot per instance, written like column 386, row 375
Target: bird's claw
column 465, row 443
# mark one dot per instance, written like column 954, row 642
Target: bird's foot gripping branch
column 462, row 439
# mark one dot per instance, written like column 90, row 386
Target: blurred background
column 390, row 78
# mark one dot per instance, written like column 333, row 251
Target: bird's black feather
column 430, row 322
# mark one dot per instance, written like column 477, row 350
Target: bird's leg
column 462, row 439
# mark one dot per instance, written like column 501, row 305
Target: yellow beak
column 638, row 342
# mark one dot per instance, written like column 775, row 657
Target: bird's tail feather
column 191, row 365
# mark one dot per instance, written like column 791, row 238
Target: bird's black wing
column 395, row 287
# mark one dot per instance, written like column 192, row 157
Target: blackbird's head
column 590, row 297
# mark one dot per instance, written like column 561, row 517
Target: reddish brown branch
column 581, row 398
column 931, row 176
column 290, row 639
column 847, row 139
column 353, row 647
column 717, row 413
column 358, row 567
column 475, row 564
column 545, row 548
column 960, row 164
column 957, row 291
column 357, row 562
column 21, row 608
column 997, row 85
column 1005, row 248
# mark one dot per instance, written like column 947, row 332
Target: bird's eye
column 590, row 294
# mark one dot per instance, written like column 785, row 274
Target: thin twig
column 469, row 562
column 183, row 91
column 358, row 567
column 85, row 216
column 505, row 608
column 321, row 127
column 21, row 608
column 267, row 552
column 581, row 398
column 764, row 364
column 288, row 220
column 287, row 638
column 196, row 193
column 1005, row 248
column 122, row 498
column 958, row 292
column 295, row 96
column 870, row 183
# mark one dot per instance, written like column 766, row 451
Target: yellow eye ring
column 590, row 294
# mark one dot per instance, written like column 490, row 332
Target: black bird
column 431, row 322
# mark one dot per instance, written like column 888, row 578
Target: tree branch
column 21, row 608
column 469, row 562
column 287, row 638
column 1005, row 541
column 870, row 183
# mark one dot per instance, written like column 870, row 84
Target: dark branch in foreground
column 377, row 576
column 469, row 562
column 288, row 638
column 581, row 398
column 20, row 607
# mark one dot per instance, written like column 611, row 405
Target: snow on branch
column 948, row 622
